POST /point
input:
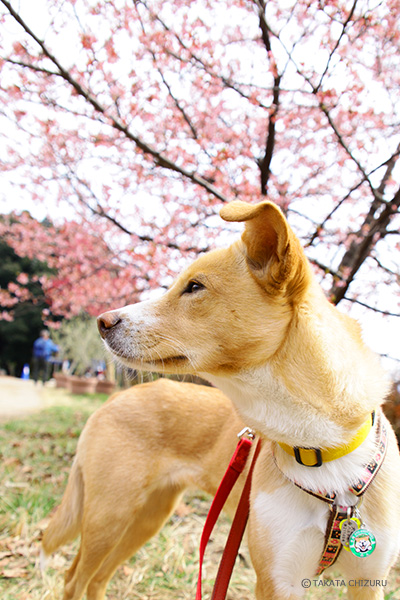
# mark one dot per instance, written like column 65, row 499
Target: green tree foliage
column 80, row 344
column 17, row 335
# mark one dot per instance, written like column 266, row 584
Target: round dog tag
column 362, row 542
column 348, row 527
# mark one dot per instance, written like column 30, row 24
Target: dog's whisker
column 179, row 347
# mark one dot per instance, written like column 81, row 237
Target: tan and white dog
column 253, row 321
column 136, row 456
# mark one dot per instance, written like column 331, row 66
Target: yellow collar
column 314, row 457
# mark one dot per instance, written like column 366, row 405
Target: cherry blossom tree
column 138, row 119
column 82, row 269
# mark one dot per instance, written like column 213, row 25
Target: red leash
column 235, row 468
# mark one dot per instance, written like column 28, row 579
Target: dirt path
column 19, row 397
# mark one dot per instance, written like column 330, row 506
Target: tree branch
column 325, row 268
column 178, row 106
column 315, row 89
column 395, row 274
column 342, row 143
column 265, row 163
column 174, row 99
column 390, row 164
column 373, row 308
column 196, row 59
column 101, row 212
column 344, row 25
column 373, row 229
column 159, row 159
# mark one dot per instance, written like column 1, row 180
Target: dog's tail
column 65, row 524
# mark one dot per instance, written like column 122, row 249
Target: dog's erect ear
column 267, row 233
column 273, row 252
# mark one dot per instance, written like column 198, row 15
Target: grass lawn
column 35, row 457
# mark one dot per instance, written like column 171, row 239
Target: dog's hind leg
column 71, row 571
column 141, row 527
column 97, row 542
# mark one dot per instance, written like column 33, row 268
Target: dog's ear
column 273, row 252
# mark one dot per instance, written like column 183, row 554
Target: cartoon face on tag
column 362, row 542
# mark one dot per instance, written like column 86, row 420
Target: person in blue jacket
column 43, row 348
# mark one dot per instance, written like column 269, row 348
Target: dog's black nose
column 107, row 321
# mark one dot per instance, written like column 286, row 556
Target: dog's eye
column 193, row 287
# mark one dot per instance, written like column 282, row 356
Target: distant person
column 43, row 349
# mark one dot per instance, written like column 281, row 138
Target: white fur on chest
column 294, row 526
column 266, row 406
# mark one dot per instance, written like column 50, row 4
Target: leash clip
column 248, row 432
